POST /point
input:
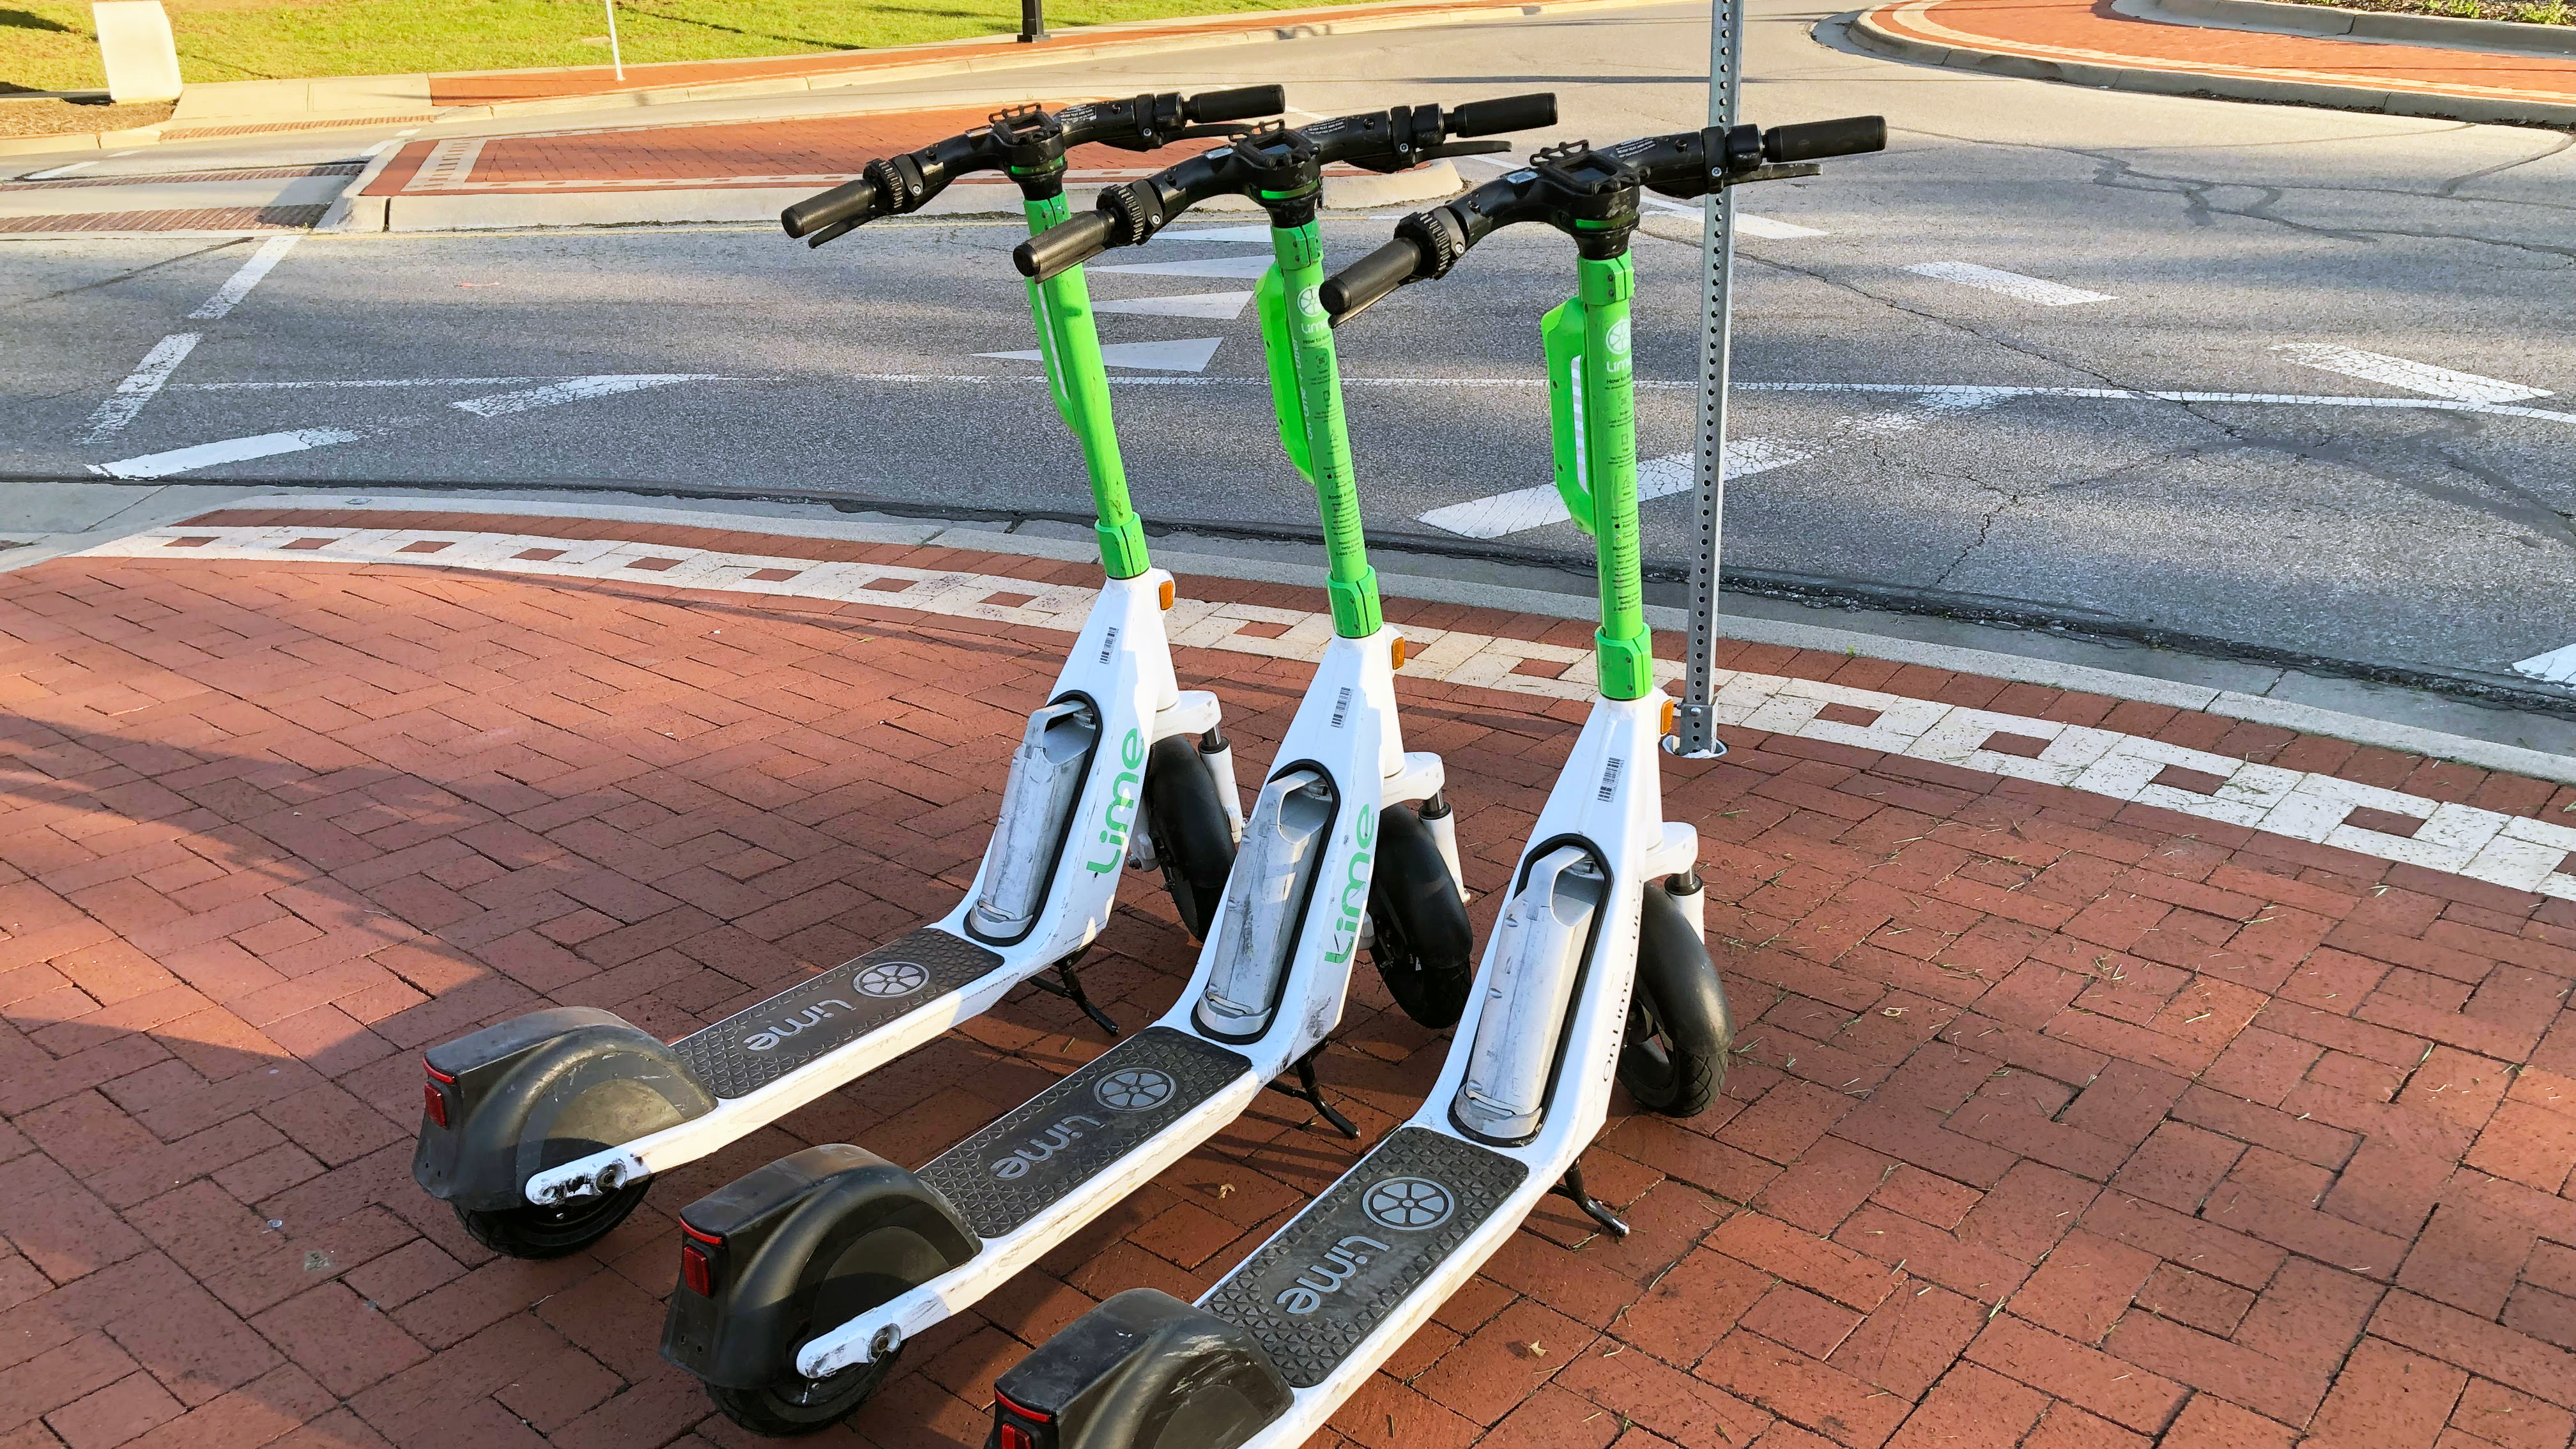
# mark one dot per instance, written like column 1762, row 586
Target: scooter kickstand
column 1593, row 1207
column 1308, row 1088
column 1071, row 990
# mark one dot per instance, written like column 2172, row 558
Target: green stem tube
column 1623, row 645
column 1351, row 583
column 1070, row 343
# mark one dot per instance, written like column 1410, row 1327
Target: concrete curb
column 2479, row 109
column 2306, row 719
column 79, row 141
column 2326, row 20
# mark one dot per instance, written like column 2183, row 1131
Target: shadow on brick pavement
column 2057, row 1121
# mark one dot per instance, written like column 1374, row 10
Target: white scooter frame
column 1346, row 731
column 1122, row 664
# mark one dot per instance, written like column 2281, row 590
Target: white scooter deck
column 1347, row 1281
column 767, row 1060
column 1030, row 1180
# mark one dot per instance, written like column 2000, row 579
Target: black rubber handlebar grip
column 1241, row 104
column 1369, row 278
column 1817, row 140
column 1067, row 244
column 1511, row 113
column 851, row 201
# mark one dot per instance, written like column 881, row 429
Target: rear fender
column 541, row 1090
column 1143, row 1371
column 798, row 1247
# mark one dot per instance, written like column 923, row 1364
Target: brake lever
column 1777, row 171
column 1447, row 149
column 1161, row 139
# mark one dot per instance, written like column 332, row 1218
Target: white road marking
column 375, row 382
column 1256, row 233
column 2421, row 377
column 378, row 149
column 1210, row 267
column 230, row 450
column 578, row 389
column 1222, row 306
column 229, row 295
column 1527, row 508
column 1746, row 222
column 2558, row 666
column 1182, row 354
column 59, row 171
column 139, row 386
column 2011, row 284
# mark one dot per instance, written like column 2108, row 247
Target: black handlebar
column 1068, row 244
column 1511, row 113
column 1816, row 140
column 1242, row 104
column 851, row 201
column 1030, row 144
column 1354, row 287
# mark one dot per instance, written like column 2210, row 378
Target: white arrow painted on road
column 230, row 450
column 1222, row 306
column 1527, row 508
column 2011, row 284
column 2420, row 377
column 579, row 389
column 1184, row 354
column 1211, row 267
column 2558, row 666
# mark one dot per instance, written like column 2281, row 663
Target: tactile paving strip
column 1312, row 1293
column 754, row 1047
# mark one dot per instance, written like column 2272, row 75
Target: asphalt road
column 2196, row 437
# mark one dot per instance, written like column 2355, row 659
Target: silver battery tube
column 1538, row 950
column 1281, row 845
column 1046, row 781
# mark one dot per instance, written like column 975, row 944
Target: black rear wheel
column 1424, row 948
column 802, row 1405
column 1193, row 835
column 529, row 1231
column 1673, row 1059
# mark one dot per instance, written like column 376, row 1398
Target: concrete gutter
column 1868, row 35
column 2285, row 17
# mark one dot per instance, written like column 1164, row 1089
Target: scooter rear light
column 698, row 1261
column 1017, row 1436
column 433, row 1093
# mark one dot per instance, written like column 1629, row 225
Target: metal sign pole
column 1695, row 723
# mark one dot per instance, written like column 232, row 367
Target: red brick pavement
column 2091, row 32
column 2058, row 1122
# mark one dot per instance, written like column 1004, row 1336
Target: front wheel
column 1424, row 948
column 1193, row 836
column 530, row 1231
column 1673, row 1059
column 802, row 1405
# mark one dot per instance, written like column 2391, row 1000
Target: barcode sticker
column 1610, row 778
column 1341, row 707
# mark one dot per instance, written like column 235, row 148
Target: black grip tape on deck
column 758, row 1045
column 1079, row 1128
column 1326, row 1282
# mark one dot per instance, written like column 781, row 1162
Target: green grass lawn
column 49, row 45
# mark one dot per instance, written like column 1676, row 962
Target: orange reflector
column 1167, row 593
column 1396, row 651
column 1668, row 715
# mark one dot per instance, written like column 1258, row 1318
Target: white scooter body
column 1122, row 663
column 1610, row 795
column 1346, row 729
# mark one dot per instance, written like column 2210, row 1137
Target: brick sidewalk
column 2088, row 33
column 2062, row 1119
